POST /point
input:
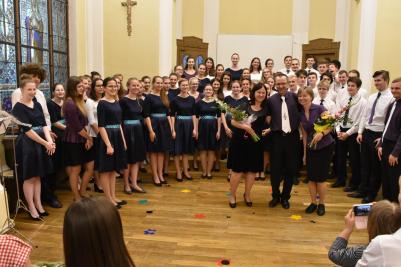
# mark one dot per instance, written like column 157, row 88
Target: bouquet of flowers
column 240, row 116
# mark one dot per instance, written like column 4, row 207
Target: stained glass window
column 39, row 36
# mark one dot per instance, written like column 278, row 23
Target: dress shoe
column 349, row 189
column 97, row 189
column 209, row 177
column 163, row 181
column 54, row 203
column 179, row 179
column 311, row 208
column 189, row 178
column 355, row 195
column 122, row 202
column 338, row 184
column 157, row 184
column 285, row 204
column 203, row 176
column 141, row 190
column 262, row 178
column 165, row 174
column 367, row 200
column 274, row 202
column 248, row 203
column 117, row 206
column 43, row 214
column 35, row 218
column 321, row 210
column 128, row 192
column 233, row 205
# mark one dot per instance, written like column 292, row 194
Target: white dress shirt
column 256, row 77
column 284, row 71
column 383, row 251
column 91, row 110
column 313, row 70
column 379, row 116
column 357, row 109
column 40, row 97
column 327, row 103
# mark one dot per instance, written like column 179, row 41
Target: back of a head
column 384, row 218
column 93, row 235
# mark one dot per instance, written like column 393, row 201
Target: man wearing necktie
column 287, row 63
column 347, row 133
column 369, row 133
column 284, row 118
column 390, row 146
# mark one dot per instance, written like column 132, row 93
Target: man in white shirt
column 301, row 78
column 322, row 98
column 322, row 67
column 312, row 82
column 363, row 92
column 287, row 63
column 295, row 65
column 369, row 133
column 310, row 61
column 342, row 91
column 292, row 84
column 334, row 67
column 347, row 133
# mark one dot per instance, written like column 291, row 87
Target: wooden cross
column 129, row 4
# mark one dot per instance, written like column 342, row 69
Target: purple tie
column 372, row 112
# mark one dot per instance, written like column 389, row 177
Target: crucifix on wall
column 129, row 4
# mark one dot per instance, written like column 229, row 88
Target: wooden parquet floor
column 247, row 236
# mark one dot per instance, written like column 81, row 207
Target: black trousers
column 390, row 174
column 283, row 162
column 370, row 165
column 351, row 146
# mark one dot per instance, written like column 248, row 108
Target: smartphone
column 362, row 209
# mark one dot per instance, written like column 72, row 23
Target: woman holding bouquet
column 246, row 152
column 318, row 149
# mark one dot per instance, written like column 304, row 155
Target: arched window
column 32, row 31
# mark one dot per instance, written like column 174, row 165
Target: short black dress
column 246, row 155
column 109, row 117
column 207, row 112
column 31, row 157
column 183, row 109
column 55, row 116
column 154, row 109
column 132, row 112
column 235, row 103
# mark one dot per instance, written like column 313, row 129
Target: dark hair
column 212, row 70
column 343, row 72
column 93, row 226
column 107, row 80
column 34, row 70
column 355, row 80
column 328, row 74
column 356, row 72
column 25, row 79
column 54, row 87
column 251, row 67
column 255, row 88
column 92, row 93
column 267, row 60
column 71, row 92
column 181, row 81
column 287, row 57
column 384, row 73
column 301, row 72
column 145, row 77
column 226, row 73
column 220, row 94
column 336, row 63
column 279, row 74
column 312, row 74
column 163, row 94
column 186, row 63
column 173, row 74
column 94, row 73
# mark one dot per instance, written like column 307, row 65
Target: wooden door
column 323, row 50
column 191, row 46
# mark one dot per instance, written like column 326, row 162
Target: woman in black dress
column 208, row 128
column 219, row 72
column 218, row 95
column 183, row 120
column 190, row 69
column 77, row 141
column 131, row 106
column 235, row 70
column 111, row 155
column 54, row 106
column 34, row 145
column 157, row 119
column 203, row 80
column 246, row 155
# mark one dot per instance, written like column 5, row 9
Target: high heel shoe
column 122, row 202
column 248, row 203
column 188, row 177
column 35, row 218
column 233, row 205
column 97, row 189
column 157, row 184
column 141, row 190
column 43, row 214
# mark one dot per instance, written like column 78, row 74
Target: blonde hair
column 25, row 79
column 307, row 90
column 323, row 83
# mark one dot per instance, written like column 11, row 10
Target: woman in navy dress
column 208, row 128
column 77, row 141
column 235, row 70
column 34, row 145
column 183, row 120
column 111, row 155
column 246, row 155
column 157, row 120
column 318, row 150
column 131, row 106
column 203, row 80
column 219, row 72
column 190, row 69
column 54, row 106
column 266, row 142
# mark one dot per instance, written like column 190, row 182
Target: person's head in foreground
column 93, row 235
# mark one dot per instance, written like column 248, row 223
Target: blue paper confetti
column 149, row 232
column 143, row 202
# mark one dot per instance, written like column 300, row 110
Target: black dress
column 154, row 109
column 207, row 129
column 246, row 155
column 55, row 116
column 183, row 110
column 235, row 103
column 172, row 93
column 133, row 132
column 109, row 117
column 202, row 83
column 235, row 74
column 31, row 156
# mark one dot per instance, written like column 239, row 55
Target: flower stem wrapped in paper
column 240, row 116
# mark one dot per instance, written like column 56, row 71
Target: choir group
column 99, row 128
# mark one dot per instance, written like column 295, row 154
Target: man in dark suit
column 283, row 114
column 390, row 146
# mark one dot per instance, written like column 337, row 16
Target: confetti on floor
column 149, row 211
column 149, row 232
column 143, row 201
column 185, row 191
column 200, row 216
column 296, row 217
column 223, row 262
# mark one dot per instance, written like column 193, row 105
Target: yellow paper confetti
column 296, row 217
column 185, row 191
